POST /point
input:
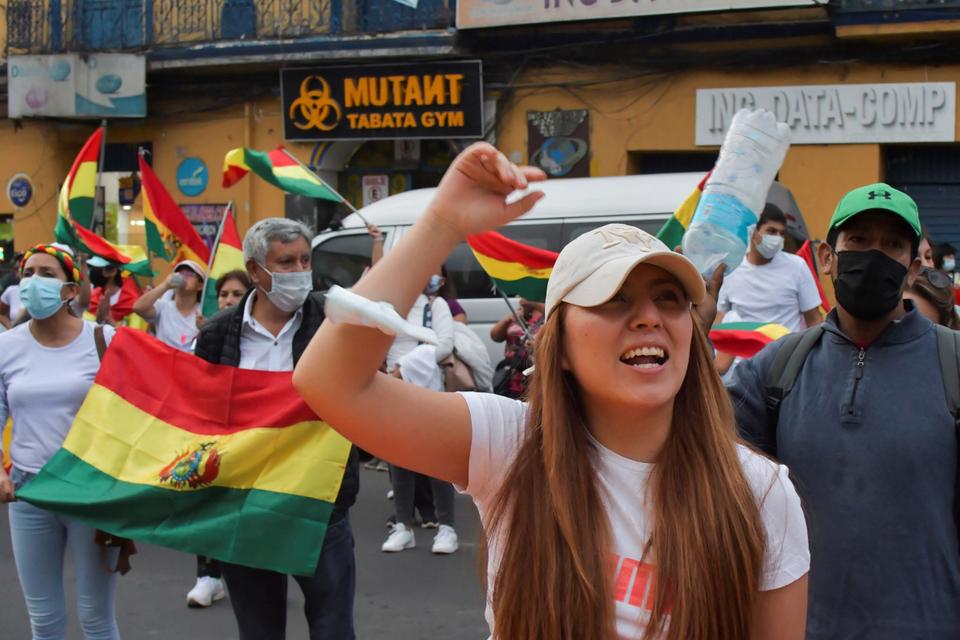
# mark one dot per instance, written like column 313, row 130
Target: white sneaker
column 400, row 539
column 207, row 591
column 446, row 540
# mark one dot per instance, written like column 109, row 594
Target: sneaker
column 390, row 494
column 429, row 524
column 445, row 540
column 382, row 466
column 400, row 539
column 371, row 464
column 207, row 591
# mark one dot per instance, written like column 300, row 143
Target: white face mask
column 770, row 245
column 289, row 289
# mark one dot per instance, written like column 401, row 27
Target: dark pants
column 404, row 490
column 208, row 567
column 259, row 597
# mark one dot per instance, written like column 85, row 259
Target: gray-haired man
column 269, row 330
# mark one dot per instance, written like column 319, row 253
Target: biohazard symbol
column 315, row 107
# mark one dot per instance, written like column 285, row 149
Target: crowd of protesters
column 625, row 488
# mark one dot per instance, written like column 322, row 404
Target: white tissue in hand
column 750, row 156
column 342, row 306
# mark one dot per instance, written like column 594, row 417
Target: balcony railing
column 50, row 26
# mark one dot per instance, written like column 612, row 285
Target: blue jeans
column 259, row 597
column 40, row 539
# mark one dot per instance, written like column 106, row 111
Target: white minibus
column 571, row 207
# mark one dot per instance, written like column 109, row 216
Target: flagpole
column 213, row 252
column 324, row 182
column 516, row 316
column 97, row 203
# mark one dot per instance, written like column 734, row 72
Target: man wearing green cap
column 868, row 436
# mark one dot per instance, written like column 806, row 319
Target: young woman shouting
column 618, row 502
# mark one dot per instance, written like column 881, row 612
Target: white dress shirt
column 260, row 349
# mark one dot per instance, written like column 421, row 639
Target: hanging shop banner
column 472, row 14
column 96, row 85
column 559, row 142
column 838, row 113
column 383, row 102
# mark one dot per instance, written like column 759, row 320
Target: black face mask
column 868, row 283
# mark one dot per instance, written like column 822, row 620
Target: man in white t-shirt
column 769, row 285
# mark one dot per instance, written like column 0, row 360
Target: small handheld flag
column 517, row 269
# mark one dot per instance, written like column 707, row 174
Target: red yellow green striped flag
column 745, row 339
column 278, row 168
column 75, row 213
column 671, row 233
column 169, row 234
column 207, row 459
column 517, row 269
column 227, row 256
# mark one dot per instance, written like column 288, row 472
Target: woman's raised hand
column 472, row 195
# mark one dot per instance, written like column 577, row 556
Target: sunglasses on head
column 937, row 278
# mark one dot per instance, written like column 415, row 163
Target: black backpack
column 797, row 346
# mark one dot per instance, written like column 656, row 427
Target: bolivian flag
column 278, row 168
column 169, row 234
column 207, row 459
column 75, row 213
column 671, row 233
column 517, row 269
column 227, row 256
column 745, row 339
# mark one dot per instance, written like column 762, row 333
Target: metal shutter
column 931, row 175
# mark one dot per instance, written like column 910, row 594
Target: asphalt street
column 413, row 595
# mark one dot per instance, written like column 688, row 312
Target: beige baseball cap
column 592, row 268
column 193, row 266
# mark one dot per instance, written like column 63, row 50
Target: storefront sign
column 20, row 190
column 497, row 13
column 838, row 114
column 205, row 218
column 192, row 177
column 430, row 100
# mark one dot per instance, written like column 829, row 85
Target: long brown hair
column 553, row 542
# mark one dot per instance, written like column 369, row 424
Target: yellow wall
column 632, row 113
column 45, row 150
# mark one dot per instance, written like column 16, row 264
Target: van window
column 468, row 277
column 341, row 260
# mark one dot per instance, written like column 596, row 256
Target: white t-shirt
column 174, row 328
column 42, row 389
column 11, row 298
column 441, row 323
column 779, row 291
column 498, row 428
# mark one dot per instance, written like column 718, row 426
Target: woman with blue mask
column 47, row 365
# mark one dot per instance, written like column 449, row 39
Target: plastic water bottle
column 736, row 192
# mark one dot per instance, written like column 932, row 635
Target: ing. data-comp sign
column 838, row 113
column 429, row 100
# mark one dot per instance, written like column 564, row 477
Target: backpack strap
column 100, row 340
column 783, row 373
column 948, row 349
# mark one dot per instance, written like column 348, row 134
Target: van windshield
column 341, row 260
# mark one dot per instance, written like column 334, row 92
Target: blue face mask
column 41, row 296
column 434, row 285
column 949, row 264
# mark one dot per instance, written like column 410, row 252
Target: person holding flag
column 47, row 365
column 269, row 330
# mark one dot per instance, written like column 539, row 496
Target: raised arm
column 338, row 375
column 144, row 308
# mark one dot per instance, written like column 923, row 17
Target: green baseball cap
column 876, row 196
